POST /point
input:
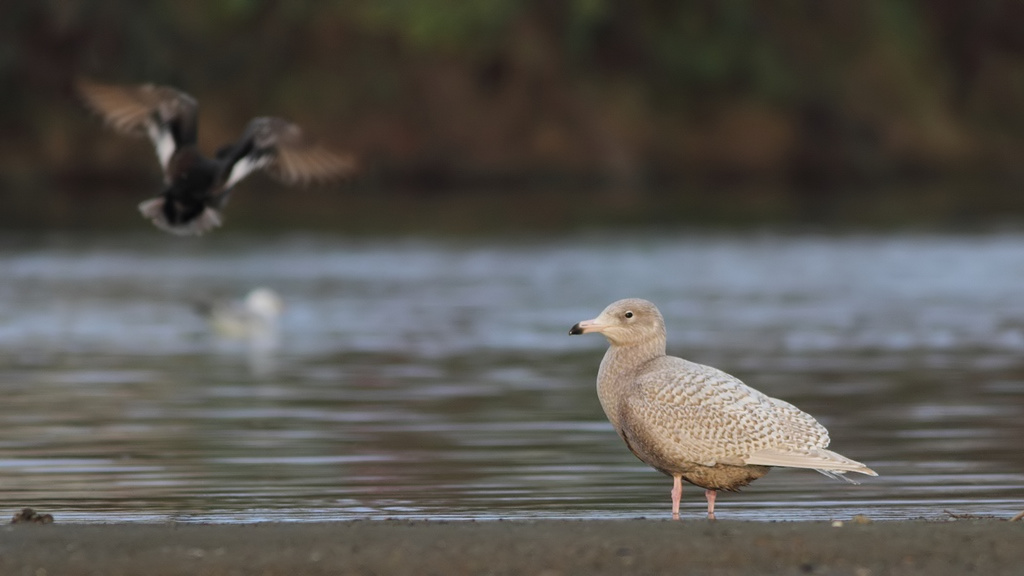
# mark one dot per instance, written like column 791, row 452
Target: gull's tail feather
column 825, row 461
column 837, row 475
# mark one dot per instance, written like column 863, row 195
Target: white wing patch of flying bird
column 246, row 165
column 163, row 142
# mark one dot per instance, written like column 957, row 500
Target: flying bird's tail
column 155, row 210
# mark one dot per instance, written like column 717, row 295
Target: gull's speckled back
column 698, row 414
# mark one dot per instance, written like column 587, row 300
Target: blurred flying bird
column 196, row 188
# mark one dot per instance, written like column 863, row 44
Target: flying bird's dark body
column 197, row 187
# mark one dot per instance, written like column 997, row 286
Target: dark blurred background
column 504, row 114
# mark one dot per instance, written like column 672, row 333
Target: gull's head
column 625, row 322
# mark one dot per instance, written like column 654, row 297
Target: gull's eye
column 628, row 314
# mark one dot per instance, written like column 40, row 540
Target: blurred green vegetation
column 646, row 99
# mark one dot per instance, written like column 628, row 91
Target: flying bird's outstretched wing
column 279, row 147
column 165, row 114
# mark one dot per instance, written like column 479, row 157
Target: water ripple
column 435, row 379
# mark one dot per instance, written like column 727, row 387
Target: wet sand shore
column 545, row 547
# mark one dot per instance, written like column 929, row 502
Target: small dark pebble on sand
column 28, row 515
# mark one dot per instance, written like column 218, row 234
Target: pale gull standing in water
column 695, row 422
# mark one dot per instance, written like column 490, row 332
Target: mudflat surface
column 545, row 547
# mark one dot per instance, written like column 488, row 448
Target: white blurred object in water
column 255, row 317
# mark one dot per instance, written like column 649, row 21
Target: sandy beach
column 547, row 547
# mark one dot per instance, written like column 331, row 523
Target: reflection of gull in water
column 255, row 317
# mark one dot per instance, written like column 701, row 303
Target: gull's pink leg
column 710, row 495
column 677, row 494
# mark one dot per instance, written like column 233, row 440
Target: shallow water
column 421, row 378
